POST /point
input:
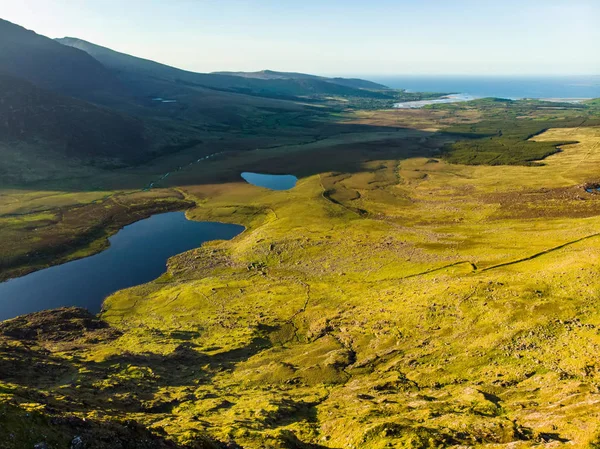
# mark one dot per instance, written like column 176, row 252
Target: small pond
column 273, row 182
column 137, row 254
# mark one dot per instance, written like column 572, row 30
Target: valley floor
column 390, row 299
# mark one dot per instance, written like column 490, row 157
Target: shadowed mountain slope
column 49, row 65
column 201, row 99
column 79, row 128
column 44, row 134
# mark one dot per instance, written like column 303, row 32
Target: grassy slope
column 391, row 298
column 363, row 335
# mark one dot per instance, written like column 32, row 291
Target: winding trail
column 166, row 175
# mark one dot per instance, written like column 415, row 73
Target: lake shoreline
column 90, row 244
column 138, row 253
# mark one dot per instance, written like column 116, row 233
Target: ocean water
column 499, row 86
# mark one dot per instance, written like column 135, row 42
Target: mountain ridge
column 273, row 74
column 274, row 87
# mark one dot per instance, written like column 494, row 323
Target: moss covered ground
column 392, row 298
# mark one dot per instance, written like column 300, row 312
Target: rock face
column 56, row 325
column 77, row 443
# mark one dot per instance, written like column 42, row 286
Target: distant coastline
column 564, row 87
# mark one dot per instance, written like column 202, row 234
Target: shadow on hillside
column 127, row 382
column 308, row 150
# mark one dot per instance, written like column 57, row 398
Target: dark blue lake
column 273, row 182
column 137, row 254
column 499, row 86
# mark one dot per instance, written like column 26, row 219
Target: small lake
column 273, row 182
column 137, row 254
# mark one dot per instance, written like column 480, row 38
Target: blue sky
column 350, row 37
